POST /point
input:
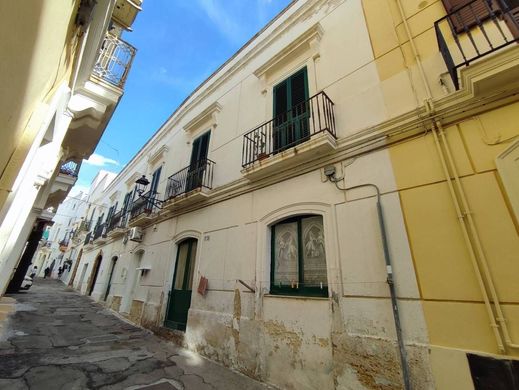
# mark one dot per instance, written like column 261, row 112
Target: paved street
column 58, row 339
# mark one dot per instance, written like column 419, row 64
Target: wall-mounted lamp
column 141, row 185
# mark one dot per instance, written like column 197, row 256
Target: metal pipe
column 470, row 248
column 477, row 243
column 390, row 281
column 464, row 215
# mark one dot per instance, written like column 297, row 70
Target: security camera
column 329, row 171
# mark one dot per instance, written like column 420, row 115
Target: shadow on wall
column 29, row 71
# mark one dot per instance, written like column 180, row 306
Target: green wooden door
column 291, row 113
column 197, row 164
column 180, row 294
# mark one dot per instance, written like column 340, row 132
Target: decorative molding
column 131, row 180
column 179, row 237
column 157, row 155
column 115, row 195
column 209, row 114
column 311, row 37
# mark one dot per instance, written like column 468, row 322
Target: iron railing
column 84, row 226
column 70, row 168
column 290, row 128
column 100, row 231
column 475, row 30
column 88, row 237
column 145, row 204
column 118, row 220
column 114, row 60
column 196, row 176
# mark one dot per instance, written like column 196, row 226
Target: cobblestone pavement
column 58, row 339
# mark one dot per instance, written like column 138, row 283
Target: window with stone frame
column 298, row 258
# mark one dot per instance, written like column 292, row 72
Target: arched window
column 298, row 257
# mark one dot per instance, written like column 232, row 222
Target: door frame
column 110, row 276
column 290, row 126
column 182, row 240
column 94, row 274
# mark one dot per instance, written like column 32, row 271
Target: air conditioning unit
column 135, row 234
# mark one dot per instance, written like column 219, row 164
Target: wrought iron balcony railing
column 144, row 205
column 289, row 129
column 118, row 220
column 196, row 176
column 100, row 231
column 70, row 168
column 475, row 30
column 84, row 226
column 114, row 60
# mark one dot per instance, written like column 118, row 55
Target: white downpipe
column 463, row 213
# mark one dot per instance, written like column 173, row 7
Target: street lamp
column 141, row 185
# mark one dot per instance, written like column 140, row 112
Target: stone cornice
column 210, row 114
column 310, row 37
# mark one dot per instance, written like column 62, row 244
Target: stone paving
column 58, row 339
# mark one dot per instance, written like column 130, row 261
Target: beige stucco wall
column 38, row 49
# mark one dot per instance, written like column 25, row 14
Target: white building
column 280, row 228
column 64, row 69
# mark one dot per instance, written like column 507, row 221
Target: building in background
column 63, row 72
column 335, row 207
column 58, row 248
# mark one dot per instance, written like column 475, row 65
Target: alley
column 58, row 339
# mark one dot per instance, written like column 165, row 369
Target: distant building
column 64, row 66
column 262, row 192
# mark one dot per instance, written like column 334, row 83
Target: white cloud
column 100, row 161
column 229, row 25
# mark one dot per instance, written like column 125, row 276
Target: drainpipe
column 464, row 215
column 330, row 173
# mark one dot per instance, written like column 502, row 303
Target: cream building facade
column 63, row 72
column 269, row 250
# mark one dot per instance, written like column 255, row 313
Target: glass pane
column 314, row 257
column 191, row 266
column 181, row 265
column 286, row 267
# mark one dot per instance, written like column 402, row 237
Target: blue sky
column 179, row 44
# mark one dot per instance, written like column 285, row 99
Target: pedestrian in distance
column 46, row 273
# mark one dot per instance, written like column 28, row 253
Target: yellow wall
column 453, row 302
column 38, row 45
column 455, row 314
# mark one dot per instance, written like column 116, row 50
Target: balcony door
column 180, row 294
column 198, row 162
column 153, row 188
column 291, row 114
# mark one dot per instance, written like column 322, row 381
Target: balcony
column 189, row 185
column 84, row 226
column 475, row 30
column 63, row 245
column 304, row 132
column 70, row 168
column 64, row 181
column 114, row 61
column 117, row 224
column 143, row 210
column 100, row 233
column 88, row 239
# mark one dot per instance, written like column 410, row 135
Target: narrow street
column 58, row 339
